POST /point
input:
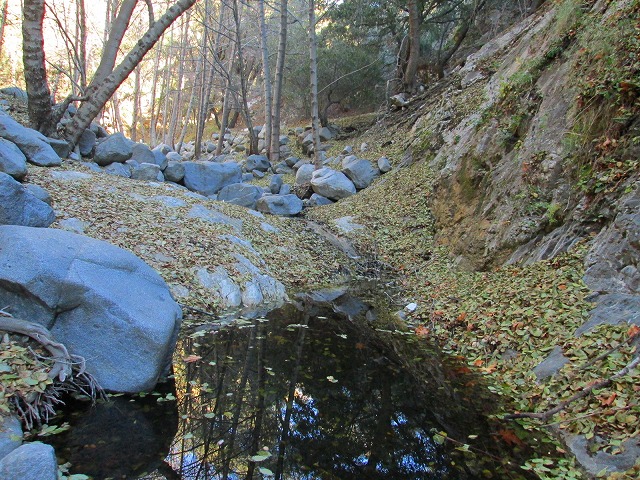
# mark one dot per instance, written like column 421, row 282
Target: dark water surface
column 322, row 388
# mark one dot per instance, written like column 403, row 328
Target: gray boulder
column 174, row 172
column 12, row 160
column 326, row 134
column 257, row 162
column 115, row 148
column 174, row 157
column 31, row 461
column 361, row 173
column 99, row 130
column 87, row 143
column 149, row 172
column 304, row 174
column 285, row 189
column 283, row 169
column 221, row 285
column 102, row 302
column 241, row 194
column 18, row 206
column 39, row 192
column 15, row 92
column 384, row 165
column 318, row 201
column 208, row 178
column 141, row 153
column 332, row 184
column 291, row 161
column 61, row 147
column 276, row 184
column 119, row 169
column 285, row 205
column 33, row 144
column 10, row 434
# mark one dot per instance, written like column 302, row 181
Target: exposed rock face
column 33, row 144
column 208, row 178
column 102, row 302
column 116, row 148
column 332, row 184
column 18, row 206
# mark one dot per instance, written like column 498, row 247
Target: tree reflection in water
column 316, row 390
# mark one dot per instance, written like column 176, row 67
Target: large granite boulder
column 257, row 162
column 10, row 434
column 18, row 206
column 31, row 461
column 12, row 160
column 115, row 148
column 332, row 184
column 304, row 174
column 360, row 172
column 241, row 194
column 33, row 144
column 87, row 143
column 285, row 205
column 102, row 302
column 208, row 178
column 143, row 154
column 174, row 171
column 147, row 171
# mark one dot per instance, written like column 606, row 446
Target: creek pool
column 322, row 388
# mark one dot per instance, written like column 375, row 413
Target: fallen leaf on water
column 192, row 358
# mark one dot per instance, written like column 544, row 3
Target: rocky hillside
column 529, row 150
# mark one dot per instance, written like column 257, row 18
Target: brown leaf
column 510, row 437
column 192, row 358
column 607, row 401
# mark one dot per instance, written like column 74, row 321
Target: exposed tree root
column 67, row 373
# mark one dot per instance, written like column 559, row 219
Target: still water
column 325, row 387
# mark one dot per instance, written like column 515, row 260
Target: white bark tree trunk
column 89, row 109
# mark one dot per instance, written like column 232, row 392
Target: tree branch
column 603, row 383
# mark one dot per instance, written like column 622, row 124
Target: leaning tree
column 106, row 79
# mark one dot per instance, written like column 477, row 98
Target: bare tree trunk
column 117, row 30
column 136, row 104
column 153, row 119
column 35, row 73
column 313, row 58
column 90, row 108
column 266, row 75
column 244, row 74
column 166, row 87
column 81, row 21
column 3, row 21
column 409, row 78
column 226, row 105
column 187, row 117
column 177, row 102
column 277, row 92
column 204, row 76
